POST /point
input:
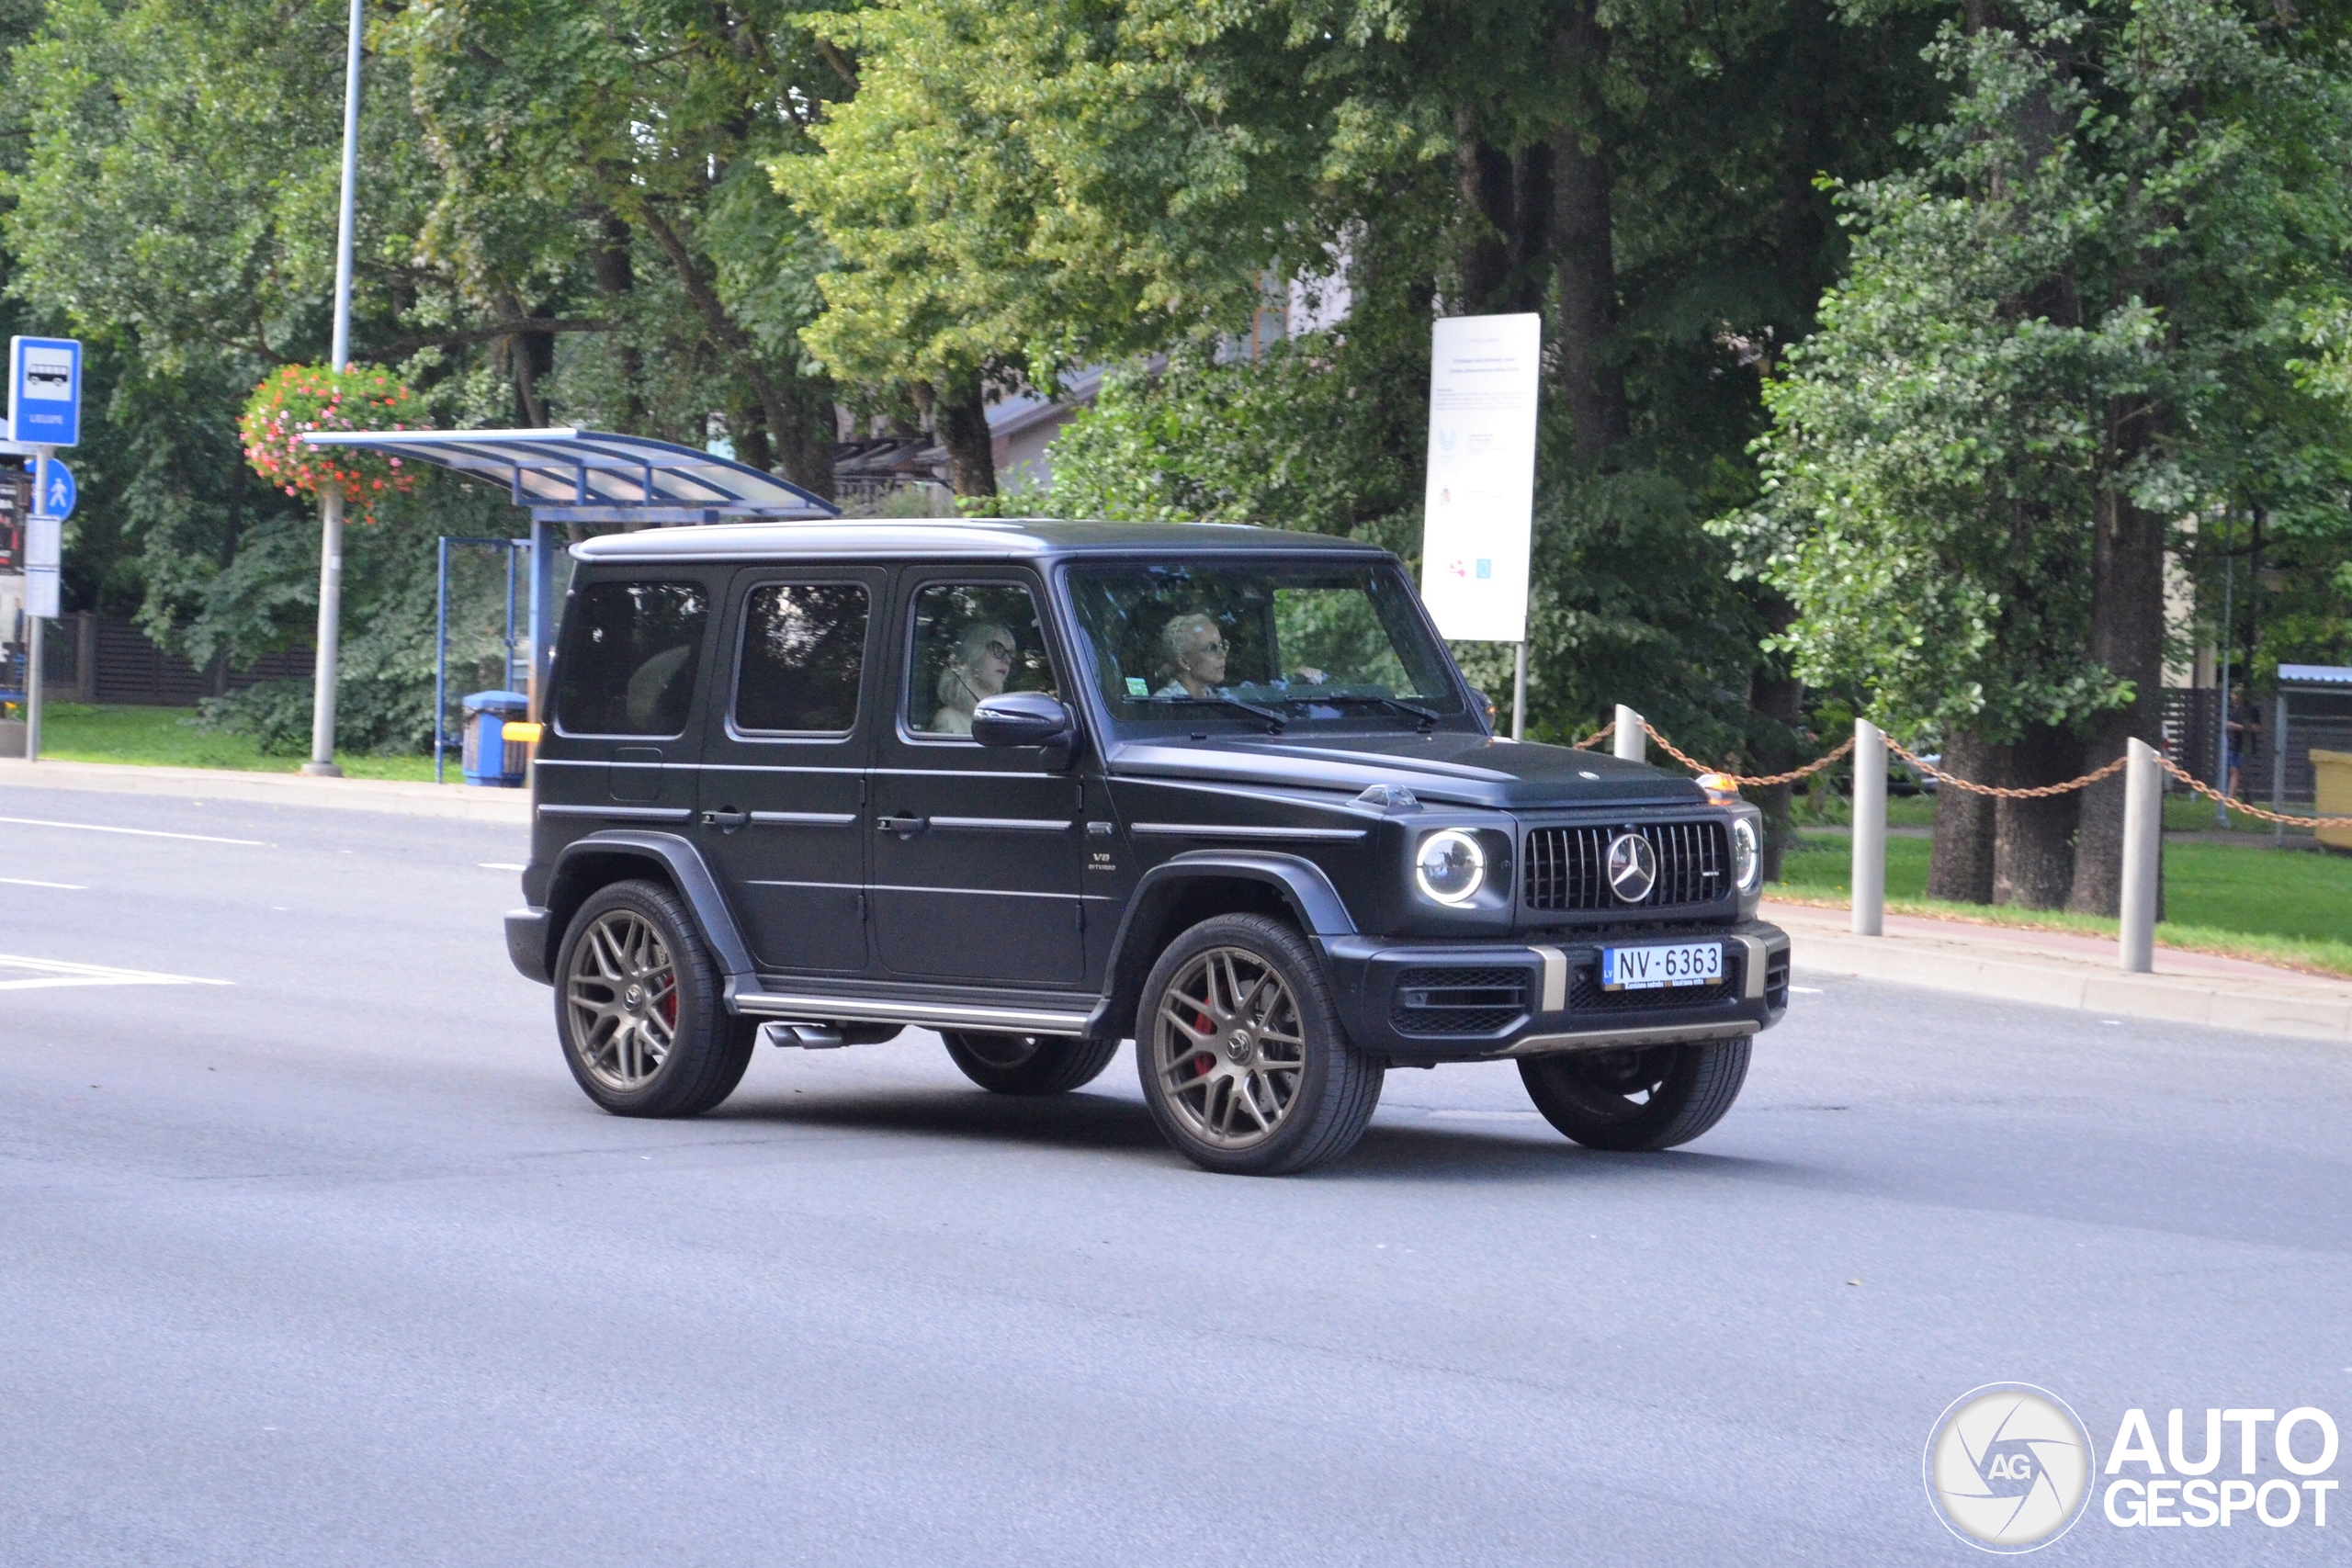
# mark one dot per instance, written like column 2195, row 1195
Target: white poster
column 1475, row 516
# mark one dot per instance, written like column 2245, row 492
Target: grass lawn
column 2278, row 905
column 76, row 732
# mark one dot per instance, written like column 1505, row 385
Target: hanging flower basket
column 299, row 399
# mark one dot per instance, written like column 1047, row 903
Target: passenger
column 979, row 666
column 1193, row 647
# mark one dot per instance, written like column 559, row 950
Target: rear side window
column 803, row 655
column 629, row 655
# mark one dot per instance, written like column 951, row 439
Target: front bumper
column 1420, row 1002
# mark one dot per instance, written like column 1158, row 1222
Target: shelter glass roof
column 565, row 475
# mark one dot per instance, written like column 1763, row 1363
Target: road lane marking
column 45, row 974
column 138, row 832
column 29, row 882
column 500, row 865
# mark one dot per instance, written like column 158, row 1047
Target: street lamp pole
column 321, row 763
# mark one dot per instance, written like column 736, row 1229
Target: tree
column 2060, row 334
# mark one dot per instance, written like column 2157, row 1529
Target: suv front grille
column 1585, row 994
column 1567, row 868
column 1458, row 1001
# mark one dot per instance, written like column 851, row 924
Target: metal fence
column 89, row 658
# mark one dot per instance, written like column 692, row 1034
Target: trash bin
column 2332, row 794
column 491, row 759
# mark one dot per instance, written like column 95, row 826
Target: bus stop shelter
column 591, row 477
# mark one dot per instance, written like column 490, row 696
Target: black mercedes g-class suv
column 1046, row 786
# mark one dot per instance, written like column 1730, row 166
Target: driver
column 1193, row 647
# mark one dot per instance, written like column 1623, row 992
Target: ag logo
column 1633, row 867
column 2008, row 1467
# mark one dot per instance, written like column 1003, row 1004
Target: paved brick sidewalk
column 2062, row 969
column 276, row 789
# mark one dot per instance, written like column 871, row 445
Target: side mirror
column 1485, row 705
column 1022, row 718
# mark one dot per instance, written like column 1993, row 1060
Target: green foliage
column 2092, row 290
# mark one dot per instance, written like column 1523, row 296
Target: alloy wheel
column 622, row 991
column 1228, row 1048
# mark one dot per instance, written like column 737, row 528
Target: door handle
column 726, row 821
column 906, row 827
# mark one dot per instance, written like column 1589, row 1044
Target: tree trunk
column 1805, row 210
column 1484, row 173
column 804, row 442
column 2128, row 640
column 1594, row 384
column 617, row 278
column 960, row 419
column 1778, row 700
column 1533, row 194
column 1960, row 869
column 2033, row 851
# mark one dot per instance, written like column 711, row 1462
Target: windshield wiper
column 1426, row 718
column 1274, row 721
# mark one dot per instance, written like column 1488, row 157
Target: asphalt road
column 332, row 1263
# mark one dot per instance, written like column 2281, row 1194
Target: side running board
column 924, row 1015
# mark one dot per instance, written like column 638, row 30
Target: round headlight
column 1450, row 866
column 1746, row 861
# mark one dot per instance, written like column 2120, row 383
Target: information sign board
column 1478, row 508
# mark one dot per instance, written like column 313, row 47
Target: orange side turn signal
column 1720, row 788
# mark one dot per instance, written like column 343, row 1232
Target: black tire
column 1280, row 1048
column 612, row 1020
column 1028, row 1063
column 1589, row 1095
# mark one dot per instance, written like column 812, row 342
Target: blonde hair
column 970, row 644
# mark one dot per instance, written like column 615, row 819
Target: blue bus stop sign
column 45, row 390
column 58, row 499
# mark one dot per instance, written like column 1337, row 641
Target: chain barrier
column 2210, row 793
column 2031, row 792
column 1744, row 781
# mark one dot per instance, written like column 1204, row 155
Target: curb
column 456, row 803
column 2279, row 1001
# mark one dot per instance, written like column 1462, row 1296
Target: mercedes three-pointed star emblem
column 1633, row 867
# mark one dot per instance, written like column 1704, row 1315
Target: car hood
column 1446, row 766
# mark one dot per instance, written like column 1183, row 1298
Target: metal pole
column 2144, row 820
column 340, row 356
column 321, row 763
column 323, row 673
column 1519, row 696
column 2279, row 768
column 2222, row 740
column 440, row 646
column 1870, row 829
column 1631, row 743
column 506, row 672
column 35, row 625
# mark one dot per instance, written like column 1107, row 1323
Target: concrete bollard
column 1870, row 829
column 2143, row 822
column 1632, row 744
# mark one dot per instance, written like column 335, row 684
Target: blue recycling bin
column 492, row 760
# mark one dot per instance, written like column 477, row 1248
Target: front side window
column 971, row 641
column 804, row 654
column 1299, row 642
column 630, row 654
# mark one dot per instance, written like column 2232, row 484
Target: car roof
column 958, row 538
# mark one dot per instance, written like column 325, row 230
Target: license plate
column 1653, row 968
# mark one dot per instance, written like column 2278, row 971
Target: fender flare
column 1300, row 883
column 688, row 873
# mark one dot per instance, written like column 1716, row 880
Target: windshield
column 1251, row 644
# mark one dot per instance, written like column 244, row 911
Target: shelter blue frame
column 564, row 475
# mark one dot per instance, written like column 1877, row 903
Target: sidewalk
column 453, row 801
column 2062, row 969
